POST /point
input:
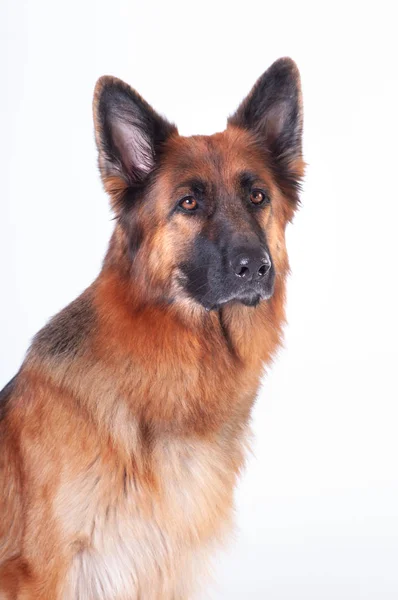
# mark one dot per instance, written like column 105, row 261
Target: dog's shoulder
column 65, row 334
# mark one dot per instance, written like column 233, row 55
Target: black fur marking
column 5, row 396
column 66, row 333
column 226, row 335
column 129, row 220
column 136, row 236
column 195, row 185
column 247, row 180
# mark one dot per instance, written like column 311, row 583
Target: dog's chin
column 251, row 301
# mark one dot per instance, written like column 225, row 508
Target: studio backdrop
column 317, row 504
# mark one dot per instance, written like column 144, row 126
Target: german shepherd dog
column 124, row 432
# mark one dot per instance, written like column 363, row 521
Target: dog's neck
column 195, row 369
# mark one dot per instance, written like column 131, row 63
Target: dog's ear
column 129, row 136
column 273, row 112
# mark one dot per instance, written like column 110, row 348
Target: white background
column 317, row 510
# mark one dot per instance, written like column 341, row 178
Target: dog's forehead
column 218, row 158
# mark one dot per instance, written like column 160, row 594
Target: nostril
column 242, row 271
column 263, row 270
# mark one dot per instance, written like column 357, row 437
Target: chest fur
column 133, row 535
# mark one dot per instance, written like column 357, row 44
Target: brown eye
column 257, row 197
column 188, row 203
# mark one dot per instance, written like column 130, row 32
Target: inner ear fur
column 129, row 134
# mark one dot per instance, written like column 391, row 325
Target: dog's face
column 204, row 216
column 218, row 193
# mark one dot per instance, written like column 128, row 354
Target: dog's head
column 201, row 219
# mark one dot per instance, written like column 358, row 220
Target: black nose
column 251, row 265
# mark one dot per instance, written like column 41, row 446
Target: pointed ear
column 273, row 112
column 129, row 136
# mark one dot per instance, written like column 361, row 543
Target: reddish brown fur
column 133, row 441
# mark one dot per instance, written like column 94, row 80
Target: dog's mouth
column 251, row 300
column 217, row 293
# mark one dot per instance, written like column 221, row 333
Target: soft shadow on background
column 317, row 510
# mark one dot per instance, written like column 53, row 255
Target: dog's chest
column 142, row 540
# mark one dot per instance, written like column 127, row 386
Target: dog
column 124, row 432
